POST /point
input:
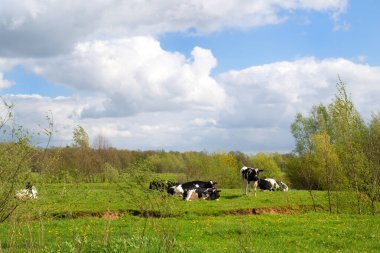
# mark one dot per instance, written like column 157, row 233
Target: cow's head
column 213, row 194
column 212, row 183
column 253, row 174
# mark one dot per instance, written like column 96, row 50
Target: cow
column 161, row 185
column 283, row 186
column 248, row 175
column 201, row 193
column 268, row 184
column 178, row 190
column 30, row 192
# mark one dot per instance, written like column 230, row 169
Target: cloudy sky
column 215, row 75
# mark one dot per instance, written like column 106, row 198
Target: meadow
column 115, row 217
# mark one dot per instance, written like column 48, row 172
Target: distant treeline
column 87, row 164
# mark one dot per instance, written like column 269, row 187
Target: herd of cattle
column 208, row 191
column 194, row 189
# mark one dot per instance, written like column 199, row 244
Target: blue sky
column 186, row 75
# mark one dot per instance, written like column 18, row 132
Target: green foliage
column 80, row 137
column 15, row 155
column 372, row 152
column 111, row 174
column 268, row 164
column 335, row 144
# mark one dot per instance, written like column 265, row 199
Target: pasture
column 115, row 217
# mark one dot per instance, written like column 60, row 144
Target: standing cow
column 248, row 175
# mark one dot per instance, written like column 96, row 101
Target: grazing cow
column 30, row 192
column 178, row 190
column 283, row 186
column 268, row 184
column 201, row 193
column 161, row 185
column 249, row 175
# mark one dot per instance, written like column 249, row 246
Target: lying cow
column 178, row 190
column 248, row 175
column 201, row 193
column 283, row 186
column 268, row 184
column 30, row 192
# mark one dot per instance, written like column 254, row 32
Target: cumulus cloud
column 263, row 101
column 270, row 95
column 45, row 28
column 137, row 75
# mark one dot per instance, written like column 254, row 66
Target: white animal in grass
column 30, row 192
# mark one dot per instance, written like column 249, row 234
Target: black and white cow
column 178, row 190
column 248, row 175
column 30, row 192
column 283, row 186
column 201, row 193
column 268, row 184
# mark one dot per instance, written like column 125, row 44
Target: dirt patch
column 111, row 215
column 107, row 215
column 277, row 210
column 259, row 211
column 117, row 214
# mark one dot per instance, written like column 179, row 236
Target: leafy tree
column 328, row 165
column 372, row 151
column 16, row 153
column 304, row 127
column 348, row 133
column 80, row 137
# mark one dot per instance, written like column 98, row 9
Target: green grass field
column 111, row 218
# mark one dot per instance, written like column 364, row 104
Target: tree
column 372, row 151
column 101, row 143
column 304, row 127
column 80, row 137
column 16, row 152
column 86, row 162
column 328, row 164
column 348, row 133
column 267, row 163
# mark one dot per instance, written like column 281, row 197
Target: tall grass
column 310, row 232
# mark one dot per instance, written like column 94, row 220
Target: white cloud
column 270, row 95
column 4, row 83
column 5, row 65
column 50, row 27
column 137, row 75
column 263, row 102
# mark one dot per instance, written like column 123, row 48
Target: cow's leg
column 247, row 187
column 243, row 182
column 255, row 186
column 191, row 194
